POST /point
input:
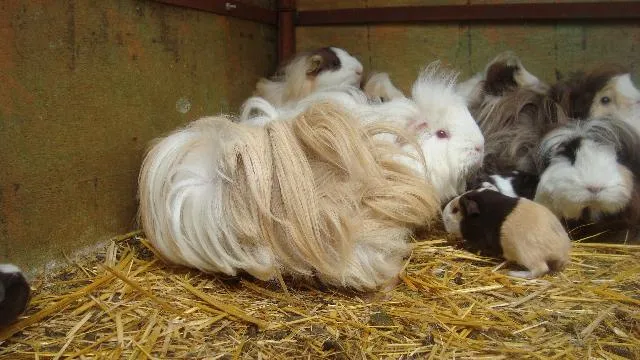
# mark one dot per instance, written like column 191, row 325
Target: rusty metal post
column 286, row 29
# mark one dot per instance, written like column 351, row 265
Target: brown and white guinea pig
column 503, row 73
column 605, row 91
column 511, row 108
column 513, row 183
column 517, row 229
column 308, row 72
column 14, row 293
column 590, row 170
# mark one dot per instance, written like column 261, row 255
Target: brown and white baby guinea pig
column 517, row 229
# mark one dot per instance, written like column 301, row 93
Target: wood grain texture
column 86, row 85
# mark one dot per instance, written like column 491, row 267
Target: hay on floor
column 126, row 304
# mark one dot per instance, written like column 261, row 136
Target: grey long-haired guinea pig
column 517, row 229
column 14, row 293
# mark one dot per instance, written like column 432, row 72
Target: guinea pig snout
column 594, row 189
column 450, row 218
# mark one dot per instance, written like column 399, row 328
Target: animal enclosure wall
column 547, row 49
column 84, row 86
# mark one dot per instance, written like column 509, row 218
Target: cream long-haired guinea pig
column 451, row 144
column 588, row 168
column 14, row 293
column 517, row 229
column 308, row 72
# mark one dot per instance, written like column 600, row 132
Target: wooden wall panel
column 547, row 49
column 84, row 86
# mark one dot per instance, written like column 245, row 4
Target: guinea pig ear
column 470, row 207
column 314, row 63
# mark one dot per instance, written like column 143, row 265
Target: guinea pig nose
column 594, row 188
column 479, row 148
column 358, row 72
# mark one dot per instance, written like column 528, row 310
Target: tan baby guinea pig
column 517, row 229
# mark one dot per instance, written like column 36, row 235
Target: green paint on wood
column 405, row 50
column 84, row 85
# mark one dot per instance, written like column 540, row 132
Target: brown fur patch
column 500, row 78
column 327, row 61
column 533, row 237
column 576, row 94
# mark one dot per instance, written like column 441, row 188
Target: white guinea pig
column 451, row 141
column 582, row 171
column 309, row 72
column 14, row 293
column 517, row 229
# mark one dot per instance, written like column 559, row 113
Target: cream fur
column 624, row 101
column 380, row 86
column 533, row 237
column 434, row 108
column 292, row 83
column 313, row 195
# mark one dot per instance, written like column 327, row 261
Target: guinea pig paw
column 521, row 274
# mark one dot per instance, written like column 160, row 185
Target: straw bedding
column 124, row 303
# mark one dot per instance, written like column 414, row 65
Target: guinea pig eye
column 605, row 100
column 442, row 134
column 454, row 210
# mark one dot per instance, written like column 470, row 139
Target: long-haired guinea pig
column 517, row 229
column 588, row 167
column 502, row 74
column 513, row 183
column 450, row 141
column 606, row 90
column 308, row 72
column 14, row 293
column 380, row 87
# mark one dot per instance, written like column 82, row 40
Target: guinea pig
column 380, row 87
column 14, row 293
column 588, row 168
column 450, row 146
column 308, row 72
column 502, row 74
column 513, row 183
column 513, row 112
column 517, row 229
column 451, row 141
column 605, row 91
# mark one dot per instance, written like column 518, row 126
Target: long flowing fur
column 315, row 195
column 288, row 83
column 380, row 86
column 513, row 125
column 434, row 108
column 606, row 138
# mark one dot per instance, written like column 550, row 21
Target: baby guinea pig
column 14, row 293
column 517, row 229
